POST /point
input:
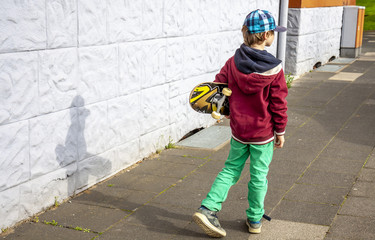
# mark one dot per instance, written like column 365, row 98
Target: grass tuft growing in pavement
column 289, row 79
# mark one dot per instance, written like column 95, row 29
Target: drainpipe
column 281, row 39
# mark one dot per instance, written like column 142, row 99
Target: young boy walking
column 257, row 118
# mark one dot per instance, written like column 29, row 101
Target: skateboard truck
column 218, row 100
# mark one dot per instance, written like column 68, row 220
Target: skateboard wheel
column 227, row 92
column 216, row 115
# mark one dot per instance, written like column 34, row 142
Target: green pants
column 260, row 158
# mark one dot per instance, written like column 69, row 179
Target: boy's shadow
column 154, row 217
column 80, row 172
column 83, row 172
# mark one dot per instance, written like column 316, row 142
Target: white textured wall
column 89, row 87
column 313, row 36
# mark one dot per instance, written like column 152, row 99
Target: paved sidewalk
column 321, row 184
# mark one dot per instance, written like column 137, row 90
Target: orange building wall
column 360, row 22
column 319, row 3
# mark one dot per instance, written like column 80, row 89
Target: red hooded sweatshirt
column 257, row 104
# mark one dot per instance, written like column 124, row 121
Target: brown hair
column 252, row 38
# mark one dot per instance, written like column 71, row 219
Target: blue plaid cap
column 261, row 21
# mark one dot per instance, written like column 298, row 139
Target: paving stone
column 330, row 68
column 317, row 177
column 183, row 159
column 371, row 161
column 187, row 152
column 321, row 214
column 309, row 100
column 198, row 181
column 212, row 166
column 273, row 197
column 312, row 137
column 337, row 165
column 164, row 217
column 334, row 116
column 191, row 231
column 91, row 217
column 359, row 66
column 221, row 154
column 295, row 102
column 291, row 167
column 342, row 148
column 315, row 76
column 297, row 155
column 367, row 77
column 298, row 90
column 181, row 197
column 234, row 208
column 372, row 96
column 350, row 227
column 359, row 206
column 367, row 175
column 124, row 230
column 342, row 61
column 344, row 103
column 345, row 76
column 142, row 182
column 213, row 138
column 290, row 130
column 323, row 93
column 316, row 134
column 279, row 229
column 299, row 115
column 361, row 91
column 152, row 183
column 358, row 138
column 360, row 127
column 334, row 151
column 330, row 125
column 162, row 168
column 37, row 231
column 368, row 106
column 112, row 196
column 281, row 181
column 317, row 194
column 363, row 189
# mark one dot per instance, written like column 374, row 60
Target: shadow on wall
column 82, row 168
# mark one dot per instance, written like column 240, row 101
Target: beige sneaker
column 254, row 227
column 208, row 221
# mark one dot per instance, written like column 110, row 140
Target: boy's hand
column 227, row 116
column 280, row 140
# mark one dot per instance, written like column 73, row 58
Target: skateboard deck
column 211, row 98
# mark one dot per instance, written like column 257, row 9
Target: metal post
column 281, row 39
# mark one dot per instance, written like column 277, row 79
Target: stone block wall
column 89, row 87
column 313, row 36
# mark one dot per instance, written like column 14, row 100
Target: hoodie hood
column 250, row 60
column 255, row 69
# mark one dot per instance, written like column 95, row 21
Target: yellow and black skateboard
column 211, row 98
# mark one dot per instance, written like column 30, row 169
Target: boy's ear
column 267, row 35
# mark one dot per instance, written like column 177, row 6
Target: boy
column 257, row 118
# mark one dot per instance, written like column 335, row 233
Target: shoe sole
column 207, row 227
column 253, row 230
